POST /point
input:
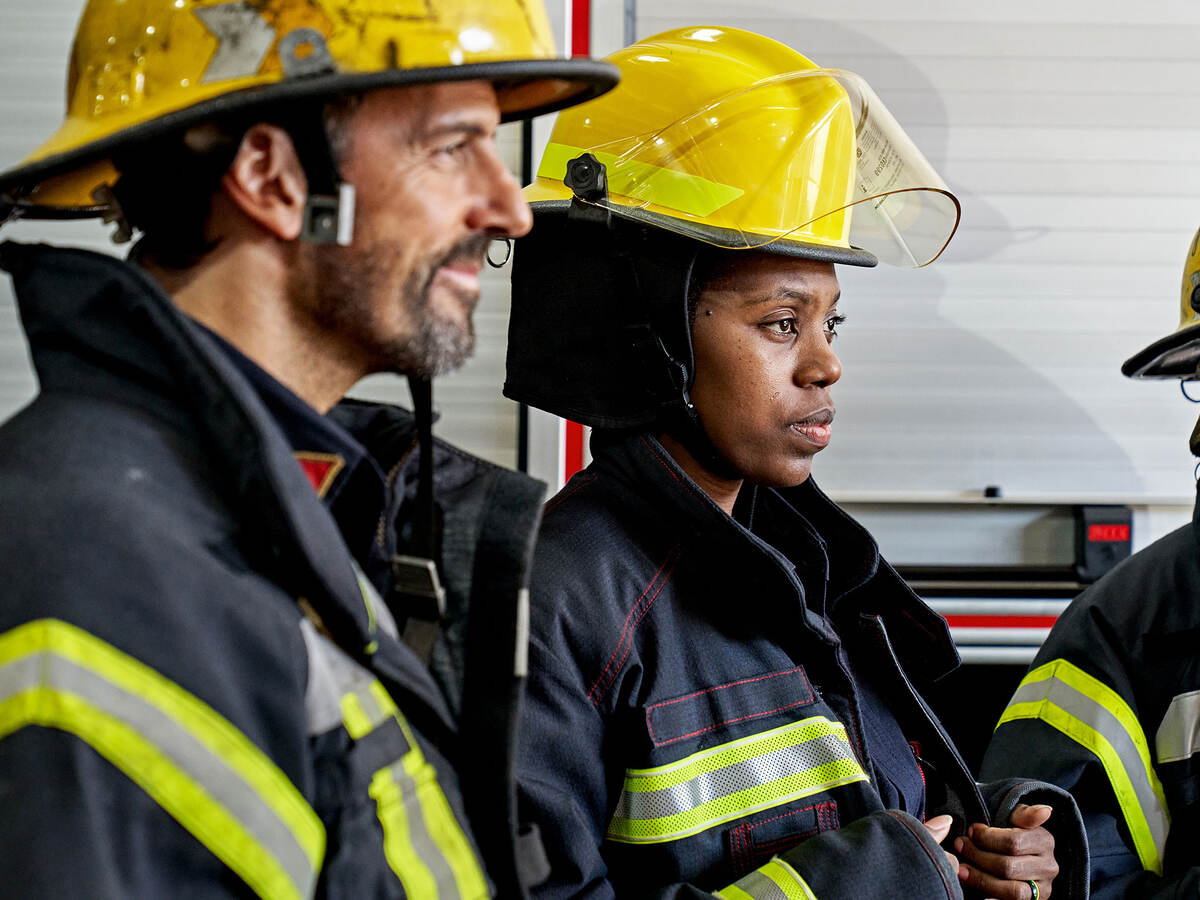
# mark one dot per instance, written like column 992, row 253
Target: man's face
column 764, row 363
column 432, row 192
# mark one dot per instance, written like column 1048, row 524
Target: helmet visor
column 811, row 156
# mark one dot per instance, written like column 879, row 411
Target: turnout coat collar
column 101, row 326
column 790, row 530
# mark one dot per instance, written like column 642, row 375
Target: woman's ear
column 266, row 181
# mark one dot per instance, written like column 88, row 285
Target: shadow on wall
column 926, row 405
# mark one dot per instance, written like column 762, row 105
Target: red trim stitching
column 627, row 630
column 628, row 647
column 936, row 867
column 687, row 484
column 662, row 462
column 793, row 812
column 741, row 849
column 915, row 746
column 856, row 744
column 828, row 816
column 658, row 743
column 919, row 624
column 720, row 687
column 650, row 725
column 746, row 853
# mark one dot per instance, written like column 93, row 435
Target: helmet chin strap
column 418, row 589
column 684, row 425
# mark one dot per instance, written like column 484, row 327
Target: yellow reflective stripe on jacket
column 733, row 780
column 195, row 764
column 774, row 881
column 1097, row 718
column 422, row 840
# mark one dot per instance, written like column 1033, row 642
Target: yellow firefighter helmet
column 735, row 139
column 142, row 68
column 1178, row 354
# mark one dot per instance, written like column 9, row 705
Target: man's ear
column 266, row 181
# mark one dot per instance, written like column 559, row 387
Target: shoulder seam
column 641, row 606
column 586, row 480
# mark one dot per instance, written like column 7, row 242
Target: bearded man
column 223, row 673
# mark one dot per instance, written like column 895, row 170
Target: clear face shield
column 811, row 156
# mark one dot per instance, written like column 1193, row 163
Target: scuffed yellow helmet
column 732, row 138
column 142, row 68
column 1178, row 354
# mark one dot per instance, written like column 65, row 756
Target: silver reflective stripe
column 760, row 887
column 1178, row 736
column 332, row 674
column 773, row 880
column 733, row 780
column 709, row 786
column 223, row 783
column 322, row 698
column 422, row 841
column 343, row 677
column 1098, row 721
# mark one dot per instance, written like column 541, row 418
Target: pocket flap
column 725, row 704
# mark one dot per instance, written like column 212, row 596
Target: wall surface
column 1060, row 124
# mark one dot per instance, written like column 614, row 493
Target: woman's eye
column 782, row 326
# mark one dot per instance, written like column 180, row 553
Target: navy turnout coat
column 200, row 694
column 1110, row 710
column 694, row 723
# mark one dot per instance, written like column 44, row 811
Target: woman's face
column 763, row 338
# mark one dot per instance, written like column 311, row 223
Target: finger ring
column 1034, row 892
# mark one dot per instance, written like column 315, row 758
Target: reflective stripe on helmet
column 195, row 764
column 732, row 780
column 775, row 880
column 673, row 189
column 1096, row 717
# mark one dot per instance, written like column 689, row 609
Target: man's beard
column 348, row 287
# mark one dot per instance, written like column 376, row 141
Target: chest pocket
column 422, row 842
column 737, row 751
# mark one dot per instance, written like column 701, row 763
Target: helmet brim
column 1175, row 356
column 525, row 89
column 717, row 237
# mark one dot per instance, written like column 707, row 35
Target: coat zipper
column 932, row 721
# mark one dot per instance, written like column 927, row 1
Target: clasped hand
column 1001, row 862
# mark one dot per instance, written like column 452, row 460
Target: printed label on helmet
column 880, row 164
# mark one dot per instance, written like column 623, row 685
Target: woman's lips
column 817, row 429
